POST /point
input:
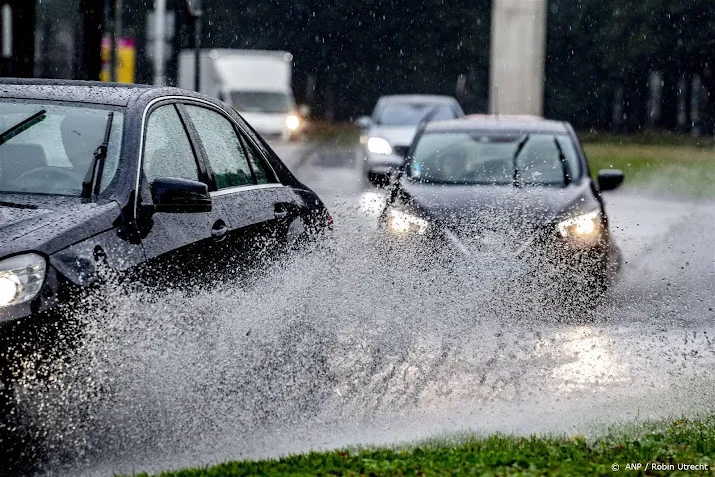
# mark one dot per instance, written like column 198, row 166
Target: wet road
column 333, row 349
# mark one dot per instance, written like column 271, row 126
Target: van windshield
column 52, row 153
column 261, row 102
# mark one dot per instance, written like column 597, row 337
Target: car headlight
column 585, row 225
column 378, row 145
column 292, row 122
column 21, row 278
column 401, row 223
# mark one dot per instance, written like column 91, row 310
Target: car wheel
column 28, row 355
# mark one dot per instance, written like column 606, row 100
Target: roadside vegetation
column 685, row 441
column 667, row 163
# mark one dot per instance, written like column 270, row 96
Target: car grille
column 400, row 150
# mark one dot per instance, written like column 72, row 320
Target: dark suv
column 512, row 195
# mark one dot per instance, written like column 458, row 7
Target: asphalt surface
column 333, row 349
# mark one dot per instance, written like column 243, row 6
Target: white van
column 257, row 83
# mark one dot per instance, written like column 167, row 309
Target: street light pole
column 7, row 39
column 114, row 29
column 193, row 8
column 197, row 49
column 159, row 40
column 118, row 33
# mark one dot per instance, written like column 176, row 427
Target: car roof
column 417, row 98
column 493, row 122
column 114, row 94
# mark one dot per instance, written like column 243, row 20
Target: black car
column 511, row 194
column 167, row 182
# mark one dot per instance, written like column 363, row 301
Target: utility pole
column 517, row 57
column 197, row 50
column 7, row 39
column 159, row 40
column 193, row 8
column 118, row 33
column 112, row 27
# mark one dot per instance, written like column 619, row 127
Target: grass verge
column 685, row 441
column 648, row 138
column 680, row 169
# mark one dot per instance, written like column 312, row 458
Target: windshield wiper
column 564, row 163
column 94, row 174
column 22, row 126
column 519, row 148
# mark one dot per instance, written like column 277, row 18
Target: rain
column 362, row 338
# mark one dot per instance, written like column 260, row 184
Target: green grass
column 686, row 441
column 680, row 169
column 648, row 138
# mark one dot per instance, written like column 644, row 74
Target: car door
column 259, row 207
column 178, row 246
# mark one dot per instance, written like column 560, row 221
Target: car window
column 539, row 161
column 411, row 114
column 488, row 158
column 262, row 171
column 226, row 156
column 53, row 154
column 168, row 152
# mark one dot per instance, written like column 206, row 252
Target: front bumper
column 542, row 254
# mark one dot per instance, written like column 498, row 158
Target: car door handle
column 218, row 232
column 280, row 214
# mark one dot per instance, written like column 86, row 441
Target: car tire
column 26, row 344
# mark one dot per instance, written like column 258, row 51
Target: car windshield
column 489, row 158
column 261, row 102
column 411, row 114
column 53, row 154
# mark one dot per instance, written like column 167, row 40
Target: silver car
column 387, row 135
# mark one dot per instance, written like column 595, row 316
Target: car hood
column 50, row 223
column 396, row 136
column 498, row 207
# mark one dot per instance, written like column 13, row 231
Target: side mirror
column 363, row 122
column 173, row 195
column 304, row 110
column 609, row 179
